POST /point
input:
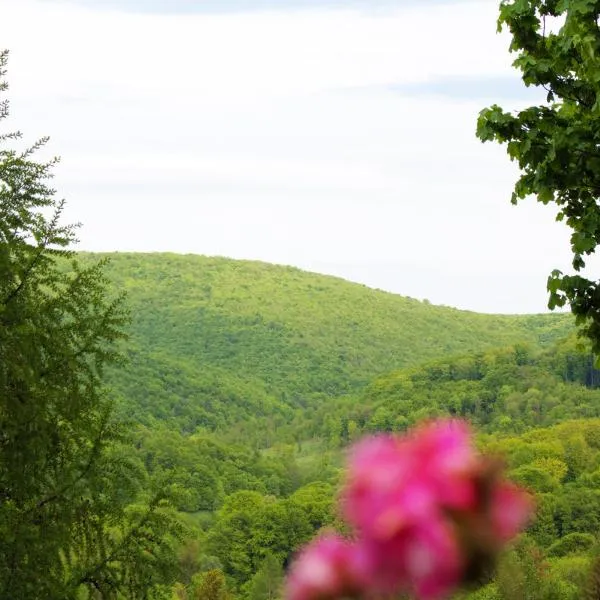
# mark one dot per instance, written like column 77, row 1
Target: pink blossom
column 424, row 559
column 384, row 491
column 396, row 482
column 428, row 510
column 433, row 560
column 447, row 456
column 329, row 567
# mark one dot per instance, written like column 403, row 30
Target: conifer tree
column 73, row 518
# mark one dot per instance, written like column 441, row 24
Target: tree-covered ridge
column 510, row 389
column 267, row 331
column 252, row 454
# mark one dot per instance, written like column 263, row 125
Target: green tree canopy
column 557, row 144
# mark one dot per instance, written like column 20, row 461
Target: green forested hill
column 212, row 333
column 502, row 390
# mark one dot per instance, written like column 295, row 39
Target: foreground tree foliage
column 557, row 144
column 77, row 516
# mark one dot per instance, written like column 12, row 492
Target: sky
column 337, row 136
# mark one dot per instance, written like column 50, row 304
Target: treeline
column 507, row 389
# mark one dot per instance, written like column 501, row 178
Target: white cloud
column 272, row 135
column 75, row 50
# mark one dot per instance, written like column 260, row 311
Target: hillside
column 502, row 390
column 539, row 410
column 211, row 332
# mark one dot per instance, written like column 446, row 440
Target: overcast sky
column 337, row 136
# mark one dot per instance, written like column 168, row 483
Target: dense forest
column 538, row 407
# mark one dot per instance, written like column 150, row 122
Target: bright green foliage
column 557, row 144
column 554, row 560
column 231, row 539
column 74, row 514
column 316, row 500
column 573, row 569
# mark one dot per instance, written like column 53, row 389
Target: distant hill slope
column 506, row 389
column 263, row 333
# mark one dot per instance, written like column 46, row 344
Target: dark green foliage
column 557, row 43
column 209, row 470
column 572, row 543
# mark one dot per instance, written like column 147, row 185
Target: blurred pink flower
column 383, row 494
column 425, row 560
column 393, row 483
column 427, row 509
column 448, row 459
column 329, row 567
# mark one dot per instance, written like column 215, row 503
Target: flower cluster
column 429, row 514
